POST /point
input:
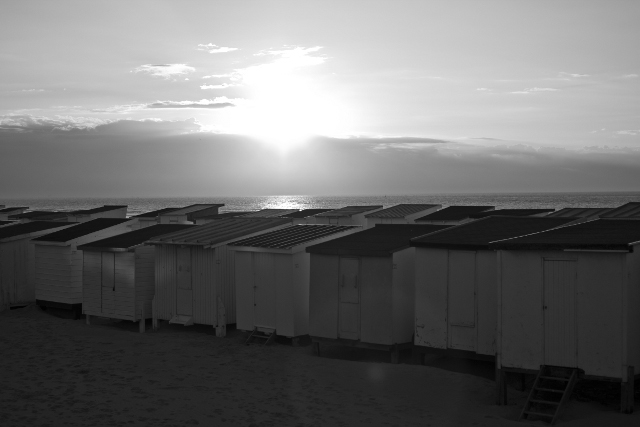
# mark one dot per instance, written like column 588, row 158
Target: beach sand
column 55, row 371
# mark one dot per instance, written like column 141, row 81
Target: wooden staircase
column 260, row 335
column 550, row 393
column 182, row 319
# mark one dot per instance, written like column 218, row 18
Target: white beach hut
column 40, row 216
column 195, row 271
column 569, row 298
column 362, row 288
column 349, row 215
column 400, row 214
column 222, row 215
column 304, row 216
column 106, row 211
column 118, row 274
column 6, row 212
column 629, row 210
column 455, row 284
column 453, row 215
column 149, row 219
column 272, row 279
column 17, row 260
column 189, row 214
column 58, row 267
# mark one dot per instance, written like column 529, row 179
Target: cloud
column 28, row 123
column 212, row 48
column 629, row 76
column 203, row 103
column 285, row 61
column 32, row 90
column 483, row 89
column 164, row 70
column 220, row 86
column 572, row 75
column 632, row 132
column 218, row 76
column 535, row 89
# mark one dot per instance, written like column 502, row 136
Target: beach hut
column 189, row 214
column 629, row 210
column 106, row 211
column 148, row 219
column 269, row 213
column 272, row 279
column 17, row 260
column 400, row 214
column 195, row 271
column 58, row 266
column 569, row 298
column 304, row 216
column 453, row 215
column 455, row 284
column 512, row 212
column 349, row 215
column 39, row 216
column 6, row 212
column 362, row 288
column 118, row 274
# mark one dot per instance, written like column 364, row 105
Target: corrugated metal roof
column 28, row 227
column 401, row 211
column 269, row 213
column 80, row 230
column 381, row 240
column 225, row 215
column 104, row 208
column 14, row 208
column 304, row 213
column 220, row 231
column 511, row 212
column 193, row 208
column 349, row 211
column 455, row 213
column 133, row 238
column 601, row 234
column 287, row 238
column 629, row 210
column 578, row 212
column 478, row 234
column 40, row 215
column 155, row 214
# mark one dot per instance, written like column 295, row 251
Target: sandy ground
column 61, row 372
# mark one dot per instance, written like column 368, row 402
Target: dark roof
column 601, row 234
column 81, row 229
column 104, row 208
column 134, row 238
column 578, row 212
column 304, row 213
column 41, row 215
column 381, row 240
column 455, row 213
column 269, row 213
column 13, row 208
column 348, row 211
column 29, row 227
column 628, row 210
column 220, row 231
column 478, row 234
column 401, row 211
column 511, row 212
column 6, row 222
column 194, row 208
column 225, row 215
column 286, row 238
column 154, row 214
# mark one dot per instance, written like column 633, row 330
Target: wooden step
column 266, row 334
column 554, row 378
column 550, row 374
column 545, row 402
column 181, row 319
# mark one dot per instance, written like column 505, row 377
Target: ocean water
column 499, row 200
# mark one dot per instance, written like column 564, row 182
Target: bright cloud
column 218, row 76
column 632, row 132
column 212, row 48
column 574, row 75
column 32, row 90
column 222, row 102
column 220, row 86
column 630, row 76
column 29, row 123
column 164, row 70
column 535, row 89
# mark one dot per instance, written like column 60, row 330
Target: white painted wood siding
column 323, row 295
column 403, row 278
column 58, row 275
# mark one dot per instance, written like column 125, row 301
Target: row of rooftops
column 613, row 231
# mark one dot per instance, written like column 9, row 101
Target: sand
column 62, row 372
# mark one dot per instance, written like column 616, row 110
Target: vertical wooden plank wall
column 144, row 279
column 403, row 295
column 58, row 274
column 244, row 290
column 203, row 285
column 165, row 268
column 323, row 295
column 92, row 283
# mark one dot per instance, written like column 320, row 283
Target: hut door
column 349, row 314
column 264, row 295
column 462, row 300
column 184, row 291
column 107, row 304
column 559, row 308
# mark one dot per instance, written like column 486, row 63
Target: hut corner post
column 221, row 328
column 501, row 376
column 142, row 319
column 154, row 315
column 627, row 392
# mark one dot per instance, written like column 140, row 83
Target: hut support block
column 627, row 392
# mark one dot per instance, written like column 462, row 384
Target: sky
column 234, row 98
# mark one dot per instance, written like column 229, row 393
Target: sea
column 138, row 205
